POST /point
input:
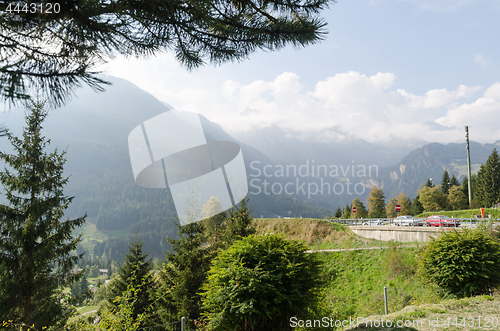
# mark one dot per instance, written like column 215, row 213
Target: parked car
column 441, row 220
column 374, row 222
column 407, row 221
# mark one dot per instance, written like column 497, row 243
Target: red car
column 440, row 220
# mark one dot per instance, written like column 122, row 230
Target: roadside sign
column 354, row 210
column 398, row 208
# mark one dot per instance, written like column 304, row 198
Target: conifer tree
column 183, row 274
column 454, row 181
column 135, row 271
column 35, row 244
column 376, row 203
column 488, row 186
column 416, row 207
column 338, row 212
column 445, row 182
column 346, row 213
column 58, row 51
column 239, row 222
column 428, row 183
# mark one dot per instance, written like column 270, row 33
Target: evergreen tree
column 480, row 187
column 361, row 211
column 428, row 183
column 85, row 33
column 376, row 203
column 183, row 274
column 445, row 182
column 239, row 222
column 346, row 213
column 80, row 290
column 35, row 244
column 416, row 207
column 454, row 181
column 488, row 182
column 338, row 212
column 135, row 272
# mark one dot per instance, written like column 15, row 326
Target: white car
column 407, row 221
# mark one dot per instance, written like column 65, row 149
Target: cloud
column 482, row 116
column 347, row 105
column 482, row 60
column 344, row 106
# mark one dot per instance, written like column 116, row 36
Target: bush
column 463, row 263
column 260, row 282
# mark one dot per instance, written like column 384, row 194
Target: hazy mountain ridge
column 430, row 161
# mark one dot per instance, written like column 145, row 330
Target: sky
column 388, row 71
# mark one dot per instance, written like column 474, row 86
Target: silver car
column 407, row 221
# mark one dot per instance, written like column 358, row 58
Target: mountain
column 430, row 161
column 285, row 148
column 287, row 176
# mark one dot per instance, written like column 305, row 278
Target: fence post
column 385, row 300
column 183, row 324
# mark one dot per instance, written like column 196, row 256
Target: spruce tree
column 346, row 213
column 454, row 181
column 416, row 207
column 58, row 51
column 239, row 222
column 135, row 272
column 183, row 274
column 480, row 187
column 35, row 244
column 445, row 182
column 492, row 180
column 428, row 183
column 338, row 212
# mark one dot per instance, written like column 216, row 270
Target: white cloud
column 482, row 116
column 342, row 106
column 346, row 105
column 482, row 60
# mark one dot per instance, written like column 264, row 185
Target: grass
column 467, row 314
column 360, row 278
column 319, row 234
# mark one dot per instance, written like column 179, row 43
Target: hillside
column 430, row 161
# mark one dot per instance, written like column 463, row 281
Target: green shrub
column 260, row 282
column 463, row 263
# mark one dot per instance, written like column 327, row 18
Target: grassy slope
column 360, row 276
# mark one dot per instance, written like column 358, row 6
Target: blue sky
column 388, row 70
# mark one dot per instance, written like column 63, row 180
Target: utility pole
column 468, row 165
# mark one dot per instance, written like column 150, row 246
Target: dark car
column 440, row 220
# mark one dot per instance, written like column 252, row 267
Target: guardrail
column 391, row 221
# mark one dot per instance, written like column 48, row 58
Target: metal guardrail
column 392, row 221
